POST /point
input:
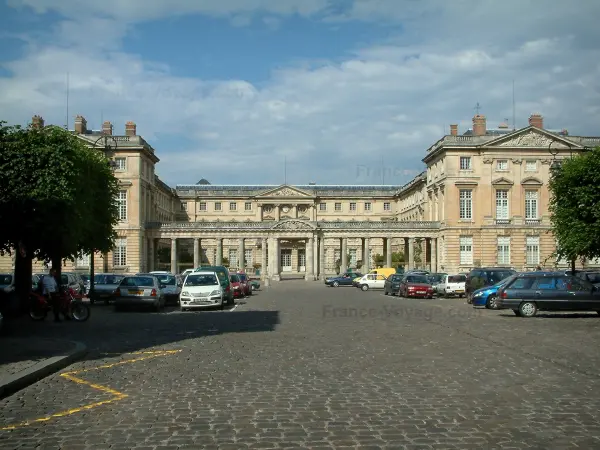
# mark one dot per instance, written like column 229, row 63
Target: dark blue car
column 342, row 280
column 486, row 296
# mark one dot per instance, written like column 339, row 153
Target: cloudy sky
column 230, row 89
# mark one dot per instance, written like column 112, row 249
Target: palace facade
column 481, row 200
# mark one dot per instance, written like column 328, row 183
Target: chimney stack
column 536, row 120
column 454, row 130
column 130, row 129
column 479, row 125
column 37, row 122
column 107, row 128
column 80, row 125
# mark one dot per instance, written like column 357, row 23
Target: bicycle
column 70, row 303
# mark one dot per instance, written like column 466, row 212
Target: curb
column 11, row 384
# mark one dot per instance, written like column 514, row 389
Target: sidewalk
column 23, row 361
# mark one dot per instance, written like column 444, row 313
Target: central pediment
column 285, row 191
column 532, row 137
column 293, row 225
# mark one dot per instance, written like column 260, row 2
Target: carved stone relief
column 293, row 225
column 285, row 192
column 517, row 161
column 488, row 160
column 267, row 209
column 531, row 139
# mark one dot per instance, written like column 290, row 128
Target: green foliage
column 575, row 206
column 57, row 196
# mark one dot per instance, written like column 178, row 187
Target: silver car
column 105, row 287
column 137, row 290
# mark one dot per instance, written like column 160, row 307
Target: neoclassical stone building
column 482, row 200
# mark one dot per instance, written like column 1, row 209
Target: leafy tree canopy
column 575, row 206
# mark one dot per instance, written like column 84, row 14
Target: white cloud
column 333, row 121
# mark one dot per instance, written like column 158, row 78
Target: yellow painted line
column 116, row 395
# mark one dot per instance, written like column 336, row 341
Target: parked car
column 223, row 274
column 172, row 286
column 86, row 282
column 488, row 295
column 392, row 284
column 451, row 285
column 105, row 287
column 247, row 283
column 140, row 291
column 593, row 276
column 342, row 280
column 530, row 292
column 435, row 278
column 413, row 285
column 202, row 289
column 371, row 281
column 237, row 286
column 254, row 285
column 483, row 277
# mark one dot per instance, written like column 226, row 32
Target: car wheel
column 491, row 302
column 598, row 312
column 527, row 309
column 336, row 284
column 365, row 287
column 385, row 292
column 469, row 300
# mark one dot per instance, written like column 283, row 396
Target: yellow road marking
column 116, row 395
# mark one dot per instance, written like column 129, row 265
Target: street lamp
column 107, row 148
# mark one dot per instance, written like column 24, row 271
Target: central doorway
column 286, row 259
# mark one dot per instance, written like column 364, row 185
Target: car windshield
column 107, row 279
column 435, row 278
column 201, row 280
column 497, row 276
column 234, row 278
column 502, row 282
column 167, row 280
column 137, row 281
column 417, row 279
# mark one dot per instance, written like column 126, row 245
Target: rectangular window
column 352, row 206
column 248, row 206
column 120, row 252
column 502, row 204
column 367, row 206
column 121, row 164
column 322, row 206
column 232, row 206
column 466, row 204
column 248, row 257
column 531, row 165
column 338, row 206
column 233, row 260
column 531, row 205
column 122, row 204
column 502, row 164
column 387, row 206
column 83, row 261
column 466, row 250
column 465, row 163
column 184, row 206
column 217, row 206
column 533, row 250
column 504, row 250
column 202, row 206
column 352, row 257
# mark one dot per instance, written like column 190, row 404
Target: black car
column 392, row 284
column 530, row 292
column 484, row 277
column 342, row 280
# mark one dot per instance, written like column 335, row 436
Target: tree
column 575, row 206
column 57, row 198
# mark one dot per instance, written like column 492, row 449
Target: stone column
column 433, row 253
column 151, row 253
column 277, row 213
column 366, row 258
column 310, row 260
column 411, row 253
column 276, row 260
column 155, row 254
column 219, row 252
column 196, row 252
column 173, row 255
column 241, row 255
column 344, row 255
column 388, row 252
column 315, row 258
column 321, row 258
column 263, row 267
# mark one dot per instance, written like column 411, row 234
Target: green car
column 223, row 274
column 254, row 285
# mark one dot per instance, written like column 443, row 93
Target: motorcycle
column 70, row 303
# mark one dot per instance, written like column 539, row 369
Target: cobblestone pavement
column 18, row 355
column 301, row 365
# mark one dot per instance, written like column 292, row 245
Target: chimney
column 80, row 125
column 107, row 128
column 37, row 122
column 479, row 126
column 536, row 120
column 454, row 130
column 130, row 129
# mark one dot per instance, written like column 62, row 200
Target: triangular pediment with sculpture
column 286, row 191
column 533, row 137
column 293, row 225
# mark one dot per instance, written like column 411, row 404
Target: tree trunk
column 57, row 265
column 573, row 266
column 23, row 272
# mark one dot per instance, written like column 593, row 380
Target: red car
column 245, row 283
column 236, row 285
column 415, row 286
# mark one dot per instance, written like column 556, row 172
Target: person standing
column 50, row 291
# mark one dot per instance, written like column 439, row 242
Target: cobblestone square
column 300, row 365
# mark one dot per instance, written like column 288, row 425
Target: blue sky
column 229, row 89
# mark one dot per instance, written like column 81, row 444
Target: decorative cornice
column 322, row 225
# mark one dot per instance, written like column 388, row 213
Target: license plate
column 460, row 291
column 201, row 300
column 421, row 292
column 136, row 292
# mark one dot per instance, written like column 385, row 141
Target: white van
column 201, row 290
column 452, row 285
